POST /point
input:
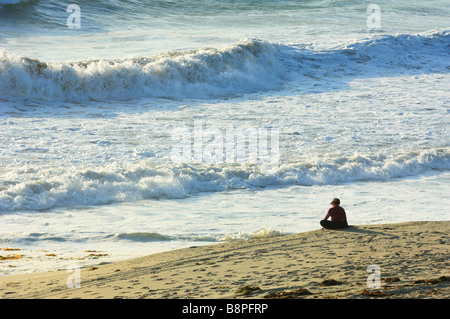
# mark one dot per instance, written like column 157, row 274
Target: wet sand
column 412, row 259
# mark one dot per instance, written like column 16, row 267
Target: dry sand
column 413, row 259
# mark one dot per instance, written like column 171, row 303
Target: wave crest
column 250, row 65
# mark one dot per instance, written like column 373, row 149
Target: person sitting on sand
column 337, row 214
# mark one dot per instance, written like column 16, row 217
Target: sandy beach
column 412, row 259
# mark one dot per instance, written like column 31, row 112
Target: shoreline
column 412, row 259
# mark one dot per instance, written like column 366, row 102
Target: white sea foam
column 248, row 66
column 374, row 56
column 36, row 189
column 151, row 236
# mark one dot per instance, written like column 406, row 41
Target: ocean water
column 120, row 122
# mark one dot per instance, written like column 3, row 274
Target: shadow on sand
column 360, row 230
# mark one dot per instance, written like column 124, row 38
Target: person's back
column 337, row 214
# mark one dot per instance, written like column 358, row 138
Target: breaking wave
column 38, row 189
column 252, row 65
column 248, row 66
